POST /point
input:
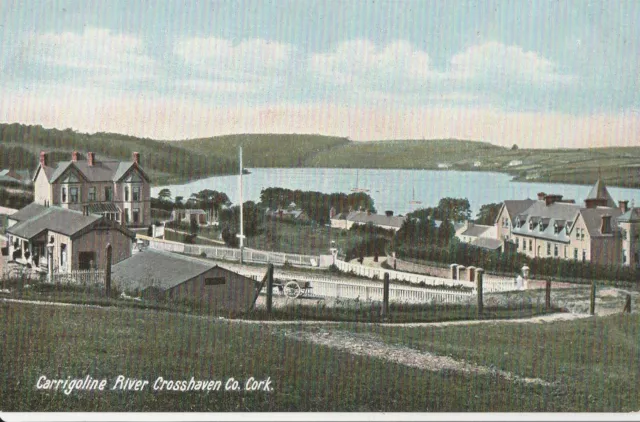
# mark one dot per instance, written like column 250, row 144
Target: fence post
column 269, row 287
column 592, row 307
column 627, row 305
column 107, row 271
column 385, row 297
column 547, row 295
column 479, row 279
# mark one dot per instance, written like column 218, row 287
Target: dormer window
column 530, row 224
column 541, row 226
column 555, row 229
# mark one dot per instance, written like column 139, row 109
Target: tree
column 454, row 209
column 488, row 214
column 178, row 201
column 514, row 147
column 164, row 195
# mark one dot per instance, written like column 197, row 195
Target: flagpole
column 241, row 235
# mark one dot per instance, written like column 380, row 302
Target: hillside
column 180, row 161
column 20, row 145
column 267, row 150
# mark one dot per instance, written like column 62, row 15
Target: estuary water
column 395, row 190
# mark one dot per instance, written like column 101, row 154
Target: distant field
column 104, row 343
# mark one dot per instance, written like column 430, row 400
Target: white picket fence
column 83, row 278
column 232, row 254
column 373, row 272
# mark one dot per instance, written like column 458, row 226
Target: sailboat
column 413, row 198
column 357, row 189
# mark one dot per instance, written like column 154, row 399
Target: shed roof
column 59, row 220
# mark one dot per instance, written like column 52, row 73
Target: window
column 624, row 256
column 92, row 193
column 575, row 253
column 73, row 195
column 578, row 234
column 565, row 251
column 108, row 193
column 555, row 250
column 540, row 226
column 581, row 234
column 126, row 193
column 214, row 281
column 118, row 217
column 86, row 260
column 136, row 193
column 517, row 243
column 64, row 195
column 548, row 248
column 126, row 215
column 136, row 215
column 555, row 229
column 584, row 255
column 530, row 225
column 530, row 245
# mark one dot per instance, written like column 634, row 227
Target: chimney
column 74, row 156
column 43, row 158
column 591, row 203
column 136, row 158
column 550, row 199
column 541, row 196
column 605, row 228
column 389, row 213
column 91, row 158
column 624, row 206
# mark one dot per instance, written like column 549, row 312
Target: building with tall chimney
column 117, row 190
column 597, row 230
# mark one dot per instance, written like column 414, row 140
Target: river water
column 392, row 189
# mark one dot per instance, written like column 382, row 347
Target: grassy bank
column 594, row 359
column 64, row 342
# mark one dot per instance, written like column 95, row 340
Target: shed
column 171, row 276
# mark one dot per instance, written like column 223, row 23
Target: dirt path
column 368, row 345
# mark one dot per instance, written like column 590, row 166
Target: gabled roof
column 101, row 207
column 100, row 171
column 159, row 269
column 599, row 191
column 517, row 206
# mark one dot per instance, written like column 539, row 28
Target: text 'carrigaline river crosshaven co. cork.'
column 122, row 383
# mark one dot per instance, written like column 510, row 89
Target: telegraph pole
column 241, row 235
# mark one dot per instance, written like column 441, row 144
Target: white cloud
column 494, row 60
column 221, row 65
column 360, row 62
column 97, row 54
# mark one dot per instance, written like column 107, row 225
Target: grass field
column 72, row 342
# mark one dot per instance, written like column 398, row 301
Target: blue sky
column 538, row 73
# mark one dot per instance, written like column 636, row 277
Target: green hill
column 267, row 150
column 180, row 161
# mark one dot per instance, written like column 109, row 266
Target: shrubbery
column 512, row 262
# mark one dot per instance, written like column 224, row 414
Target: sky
column 540, row 74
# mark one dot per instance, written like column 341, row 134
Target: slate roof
column 517, row 206
column 158, row 268
column 101, row 171
column 599, row 191
column 547, row 215
column 28, row 212
column 487, row 243
column 361, row 217
column 631, row 216
column 475, row 230
column 593, row 220
column 56, row 219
